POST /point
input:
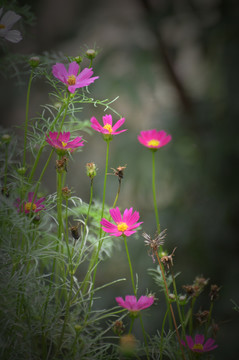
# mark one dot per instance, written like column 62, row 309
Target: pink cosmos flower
column 198, row 344
column 6, row 23
column 107, row 129
column 154, row 139
column 62, row 142
column 71, row 78
column 124, row 225
column 130, row 303
column 30, row 205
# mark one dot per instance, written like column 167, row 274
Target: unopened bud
column 91, row 54
column 77, row 59
column 91, row 170
column 34, row 61
column 22, row 170
column 6, row 138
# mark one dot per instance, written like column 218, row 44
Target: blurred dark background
column 174, row 66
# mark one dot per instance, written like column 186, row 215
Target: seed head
column 214, row 293
column 167, row 260
column 154, row 243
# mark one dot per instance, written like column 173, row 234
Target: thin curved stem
column 26, row 119
column 130, row 265
column 154, row 191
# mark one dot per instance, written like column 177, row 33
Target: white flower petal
column 9, row 19
column 14, row 36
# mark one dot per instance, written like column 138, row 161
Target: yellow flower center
column 108, row 127
column 153, row 143
column 29, row 206
column 71, row 80
column 64, row 143
column 197, row 347
column 122, row 226
column 2, row 26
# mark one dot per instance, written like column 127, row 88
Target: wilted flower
column 74, row 231
column 66, row 192
column 30, row 205
column 167, row 260
column 118, row 327
column 71, row 78
column 198, row 344
column 107, row 130
column 202, row 316
column 155, row 243
column 61, row 164
column 214, row 293
column 6, row 23
column 132, row 305
column 119, row 172
column 154, row 139
column 124, row 225
column 61, row 142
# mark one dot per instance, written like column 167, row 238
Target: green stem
column 162, row 332
column 117, row 195
column 104, row 189
column 170, row 305
column 26, row 119
column 130, row 265
column 178, row 305
column 191, row 315
column 51, row 128
column 209, row 318
column 154, row 191
column 95, row 255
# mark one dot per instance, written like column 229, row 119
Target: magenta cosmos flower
column 125, row 224
column 61, row 142
column 30, row 205
column 107, row 130
column 130, row 303
column 6, row 23
column 71, row 78
column 154, row 139
column 198, row 344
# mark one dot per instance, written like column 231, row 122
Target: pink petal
column 199, row 339
column 30, row 196
column 108, row 224
column 129, row 232
column 73, row 68
column 118, row 124
column 107, row 119
column 95, row 124
column 189, row 341
column 120, row 301
column 116, row 215
column 145, row 302
column 72, row 88
column 59, row 71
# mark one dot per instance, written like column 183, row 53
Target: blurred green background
column 174, row 66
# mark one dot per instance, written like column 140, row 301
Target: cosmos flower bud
column 91, row 54
column 34, row 61
column 91, row 170
column 22, row 170
column 6, row 138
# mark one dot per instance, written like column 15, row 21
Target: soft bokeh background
column 174, row 66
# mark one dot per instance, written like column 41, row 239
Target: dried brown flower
column 167, row 260
column 202, row 316
column 214, row 293
column 119, row 172
column 61, row 164
column 154, row 243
